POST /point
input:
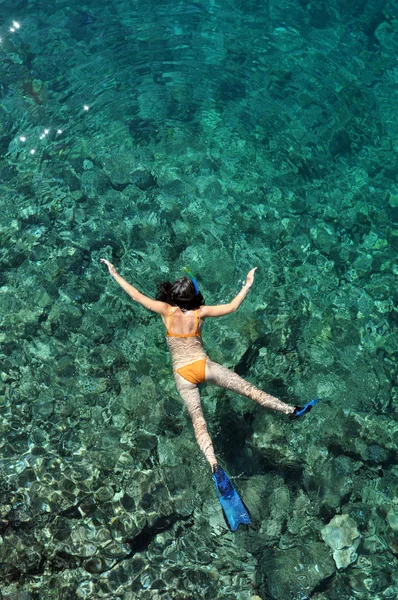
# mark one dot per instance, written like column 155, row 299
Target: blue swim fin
column 235, row 512
column 299, row 412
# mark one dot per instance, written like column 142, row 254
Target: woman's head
column 181, row 293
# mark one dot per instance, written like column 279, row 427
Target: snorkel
column 192, row 278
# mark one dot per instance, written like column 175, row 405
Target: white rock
column 343, row 537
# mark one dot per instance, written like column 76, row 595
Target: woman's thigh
column 223, row 377
column 189, row 392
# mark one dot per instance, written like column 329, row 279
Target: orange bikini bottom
column 195, row 372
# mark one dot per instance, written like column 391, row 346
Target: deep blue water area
column 219, row 136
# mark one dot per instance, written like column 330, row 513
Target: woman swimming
column 183, row 310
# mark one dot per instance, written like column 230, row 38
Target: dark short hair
column 181, row 293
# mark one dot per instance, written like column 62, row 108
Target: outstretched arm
column 224, row 309
column 149, row 303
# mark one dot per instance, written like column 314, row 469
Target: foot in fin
column 235, row 512
column 300, row 411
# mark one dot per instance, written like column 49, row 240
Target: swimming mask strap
column 192, row 278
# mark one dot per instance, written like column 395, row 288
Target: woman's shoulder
column 201, row 312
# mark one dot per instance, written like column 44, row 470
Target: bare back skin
column 182, row 322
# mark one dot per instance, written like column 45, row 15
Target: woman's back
column 183, row 336
column 181, row 323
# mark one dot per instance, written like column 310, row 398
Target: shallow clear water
column 220, row 136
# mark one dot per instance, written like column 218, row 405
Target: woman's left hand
column 110, row 266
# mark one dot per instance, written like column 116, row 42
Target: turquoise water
column 221, row 136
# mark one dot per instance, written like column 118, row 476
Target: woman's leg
column 189, row 392
column 229, row 380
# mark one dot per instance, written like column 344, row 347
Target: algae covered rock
column 118, row 168
column 343, row 537
column 332, row 478
column 392, row 517
column 296, row 571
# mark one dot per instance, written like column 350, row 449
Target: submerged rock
column 296, row 572
column 392, row 518
column 343, row 537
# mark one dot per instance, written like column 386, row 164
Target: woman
column 183, row 310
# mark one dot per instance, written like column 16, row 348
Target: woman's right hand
column 110, row 266
column 250, row 277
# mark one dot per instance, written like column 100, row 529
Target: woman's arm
column 149, row 303
column 225, row 309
